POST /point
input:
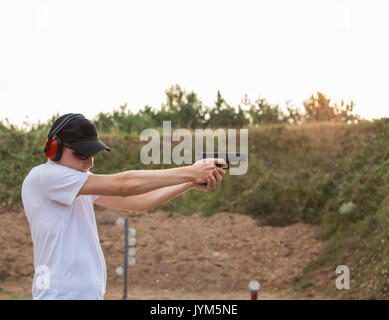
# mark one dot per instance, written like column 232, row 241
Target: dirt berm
column 177, row 257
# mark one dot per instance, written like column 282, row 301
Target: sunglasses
column 79, row 155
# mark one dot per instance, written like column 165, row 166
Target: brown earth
column 178, row 257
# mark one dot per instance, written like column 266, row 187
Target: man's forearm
column 143, row 181
column 155, row 198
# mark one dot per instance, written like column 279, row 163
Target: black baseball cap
column 80, row 134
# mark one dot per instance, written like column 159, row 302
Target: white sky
column 91, row 56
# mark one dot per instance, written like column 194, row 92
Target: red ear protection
column 53, row 148
column 53, row 145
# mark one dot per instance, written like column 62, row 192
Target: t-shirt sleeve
column 93, row 197
column 62, row 183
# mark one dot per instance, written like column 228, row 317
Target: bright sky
column 92, row 56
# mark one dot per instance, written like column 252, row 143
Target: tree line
column 185, row 110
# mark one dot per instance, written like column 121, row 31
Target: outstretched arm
column 137, row 182
column 155, row 198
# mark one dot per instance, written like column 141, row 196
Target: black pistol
column 227, row 156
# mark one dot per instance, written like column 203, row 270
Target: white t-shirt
column 68, row 259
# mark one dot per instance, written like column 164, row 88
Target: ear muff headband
column 53, row 145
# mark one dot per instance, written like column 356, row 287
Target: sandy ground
column 177, row 257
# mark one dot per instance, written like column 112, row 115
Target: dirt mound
column 176, row 253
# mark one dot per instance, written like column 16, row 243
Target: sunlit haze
column 93, row 56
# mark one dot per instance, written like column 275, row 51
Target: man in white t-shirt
column 58, row 199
